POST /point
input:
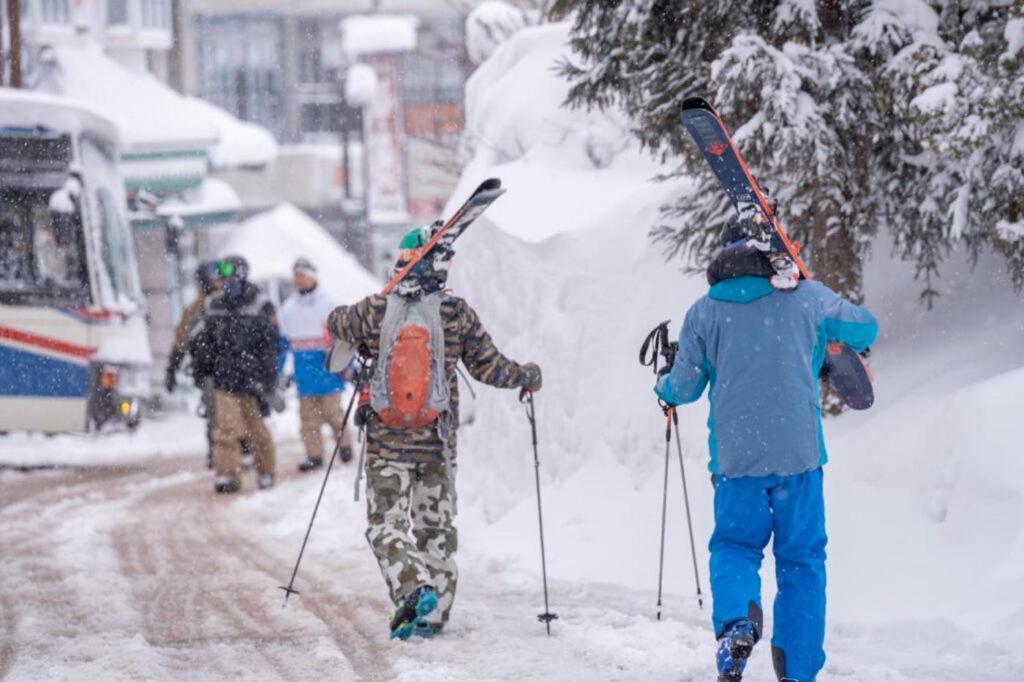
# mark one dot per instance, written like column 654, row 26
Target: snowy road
column 139, row 572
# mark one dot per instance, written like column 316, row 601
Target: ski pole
column 362, row 461
column 289, row 591
column 686, row 501
column 526, row 397
column 664, row 510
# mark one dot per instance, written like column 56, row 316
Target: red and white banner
column 387, row 202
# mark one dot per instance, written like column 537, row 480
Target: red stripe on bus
column 45, row 342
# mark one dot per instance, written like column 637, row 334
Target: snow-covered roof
column 150, row 115
column 363, row 34
column 241, row 144
column 213, row 196
column 272, row 240
column 26, row 108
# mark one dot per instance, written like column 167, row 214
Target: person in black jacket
column 236, row 344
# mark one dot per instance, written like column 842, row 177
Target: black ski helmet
column 745, row 245
column 206, row 276
column 232, row 275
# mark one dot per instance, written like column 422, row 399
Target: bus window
column 42, row 254
column 118, row 280
column 116, row 251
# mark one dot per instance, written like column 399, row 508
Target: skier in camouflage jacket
column 410, row 471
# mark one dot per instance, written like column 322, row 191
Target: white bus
column 73, row 343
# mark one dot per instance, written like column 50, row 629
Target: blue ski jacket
column 762, row 350
column 303, row 321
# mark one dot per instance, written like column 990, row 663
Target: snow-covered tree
column 903, row 115
column 491, row 23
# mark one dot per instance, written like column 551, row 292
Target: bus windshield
column 42, row 251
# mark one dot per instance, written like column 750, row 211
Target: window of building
column 241, row 69
column 117, row 12
column 56, row 11
column 310, row 63
column 319, row 51
column 321, row 117
column 156, row 13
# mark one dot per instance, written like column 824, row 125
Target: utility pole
column 14, row 31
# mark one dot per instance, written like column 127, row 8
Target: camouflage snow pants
column 409, row 509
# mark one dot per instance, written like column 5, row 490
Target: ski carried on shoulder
column 843, row 366
column 445, row 234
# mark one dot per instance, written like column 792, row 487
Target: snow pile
column 365, row 34
column 491, row 23
column 271, row 241
column 240, row 144
column 561, row 272
column 213, row 195
column 360, row 85
column 180, row 434
column 538, row 144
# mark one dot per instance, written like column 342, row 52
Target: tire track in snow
column 362, row 643
column 194, row 582
column 8, row 624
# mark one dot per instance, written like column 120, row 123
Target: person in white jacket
column 304, row 328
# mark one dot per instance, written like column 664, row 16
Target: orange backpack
column 409, row 388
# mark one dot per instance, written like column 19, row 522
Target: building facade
column 284, row 66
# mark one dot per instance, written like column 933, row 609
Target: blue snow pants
column 748, row 511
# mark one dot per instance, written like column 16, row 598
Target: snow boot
column 734, row 648
column 311, row 463
column 346, row 454
column 265, row 481
column 225, row 485
column 418, row 604
column 427, row 630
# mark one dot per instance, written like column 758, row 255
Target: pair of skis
column 843, row 367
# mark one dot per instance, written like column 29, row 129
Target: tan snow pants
column 236, row 416
column 314, row 412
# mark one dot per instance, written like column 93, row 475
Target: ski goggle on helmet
column 229, row 268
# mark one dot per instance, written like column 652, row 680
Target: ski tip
column 691, row 103
column 489, row 185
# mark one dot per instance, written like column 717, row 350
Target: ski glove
column 170, row 377
column 532, row 377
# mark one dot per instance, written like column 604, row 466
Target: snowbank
column 583, row 163
column 924, row 493
column 271, row 241
column 212, row 196
column 491, row 23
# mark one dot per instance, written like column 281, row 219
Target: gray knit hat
column 305, row 267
